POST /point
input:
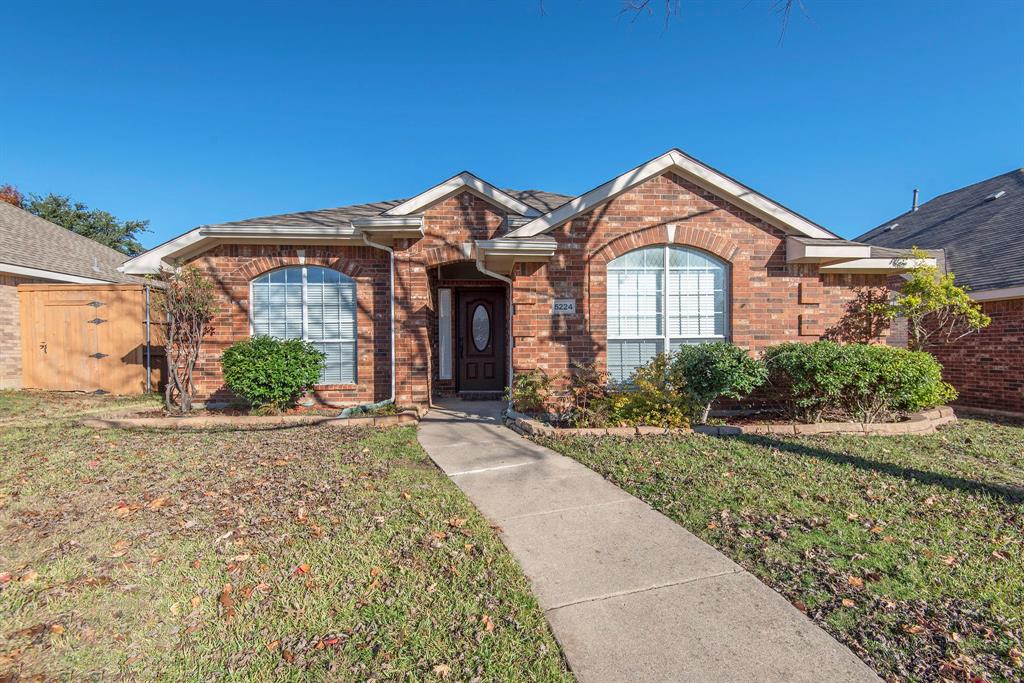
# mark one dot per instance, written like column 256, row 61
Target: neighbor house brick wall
column 10, row 330
column 232, row 267
column 987, row 367
column 770, row 301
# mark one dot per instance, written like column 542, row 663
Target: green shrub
column 530, row 392
column 866, row 382
column 706, row 372
column 271, row 373
column 655, row 397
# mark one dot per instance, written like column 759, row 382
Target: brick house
column 456, row 289
column 35, row 251
column 978, row 233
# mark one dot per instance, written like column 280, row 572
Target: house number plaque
column 564, row 307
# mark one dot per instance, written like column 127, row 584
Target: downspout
column 497, row 276
column 391, row 287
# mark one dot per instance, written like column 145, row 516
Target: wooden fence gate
column 87, row 338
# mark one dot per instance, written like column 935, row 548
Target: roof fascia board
column 450, row 187
column 50, row 275
column 996, row 294
column 798, row 252
column 690, row 168
column 876, row 265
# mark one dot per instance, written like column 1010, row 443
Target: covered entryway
column 480, row 340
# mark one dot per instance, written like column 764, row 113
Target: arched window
column 312, row 303
column 662, row 297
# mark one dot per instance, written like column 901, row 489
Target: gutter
column 391, row 287
column 497, row 276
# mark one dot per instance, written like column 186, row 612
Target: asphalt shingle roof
column 31, row 242
column 982, row 237
column 343, row 215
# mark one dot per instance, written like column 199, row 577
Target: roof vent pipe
column 916, row 192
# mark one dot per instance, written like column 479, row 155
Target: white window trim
column 305, row 320
column 444, row 332
column 666, row 338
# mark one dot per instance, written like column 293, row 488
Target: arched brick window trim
column 264, row 264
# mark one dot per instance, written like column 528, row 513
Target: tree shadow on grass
column 1009, row 493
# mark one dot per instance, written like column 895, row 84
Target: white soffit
column 691, row 169
column 995, row 294
column 875, row 265
column 800, row 252
column 463, row 181
column 50, row 275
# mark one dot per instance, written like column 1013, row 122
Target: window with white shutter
column 311, row 303
column 660, row 298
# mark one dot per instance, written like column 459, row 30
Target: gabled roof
column 462, row 181
column 980, row 230
column 35, row 247
column 697, row 172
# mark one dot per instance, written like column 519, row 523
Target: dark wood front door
column 481, row 334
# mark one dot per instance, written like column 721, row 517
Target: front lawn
column 284, row 554
column 910, row 550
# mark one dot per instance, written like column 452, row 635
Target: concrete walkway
column 630, row 595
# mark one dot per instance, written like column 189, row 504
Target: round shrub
column 866, row 382
column 706, row 372
column 271, row 373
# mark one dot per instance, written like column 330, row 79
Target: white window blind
column 311, row 303
column 660, row 298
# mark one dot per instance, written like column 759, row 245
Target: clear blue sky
column 198, row 113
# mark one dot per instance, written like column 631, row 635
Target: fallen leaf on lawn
column 852, row 516
column 29, row 576
column 302, row 569
column 226, row 601
column 406, row 495
column 442, row 670
column 855, row 581
column 949, row 560
column 930, row 500
column 196, row 601
column 712, row 525
column 302, row 514
column 56, row 629
column 5, row 577
column 1016, row 656
column 800, row 606
column 119, row 549
column 487, row 622
column 456, row 522
column 156, row 503
column 273, row 645
column 913, row 628
column 174, row 608
column 431, row 588
column 195, row 564
column 240, row 558
column 122, row 509
column 876, row 529
column 375, row 571
column 288, row 656
column 439, row 535
column 998, row 555
column 847, row 602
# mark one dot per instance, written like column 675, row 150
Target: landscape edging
column 265, row 421
column 924, row 422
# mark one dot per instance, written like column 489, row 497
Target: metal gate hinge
column 98, row 355
column 96, row 321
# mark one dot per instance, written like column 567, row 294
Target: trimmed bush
column 867, row 382
column 706, row 372
column 271, row 373
column 655, row 397
column 530, row 391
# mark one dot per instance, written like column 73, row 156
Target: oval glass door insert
column 481, row 327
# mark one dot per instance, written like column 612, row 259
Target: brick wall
column 10, row 331
column 232, row 267
column 987, row 367
column 771, row 301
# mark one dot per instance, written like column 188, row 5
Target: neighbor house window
column 311, row 303
column 660, row 298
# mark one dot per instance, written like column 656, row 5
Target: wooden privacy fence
column 88, row 338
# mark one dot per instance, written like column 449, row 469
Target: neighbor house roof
column 34, row 247
column 980, row 229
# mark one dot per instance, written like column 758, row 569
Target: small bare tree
column 189, row 304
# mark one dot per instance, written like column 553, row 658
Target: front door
column 480, row 331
